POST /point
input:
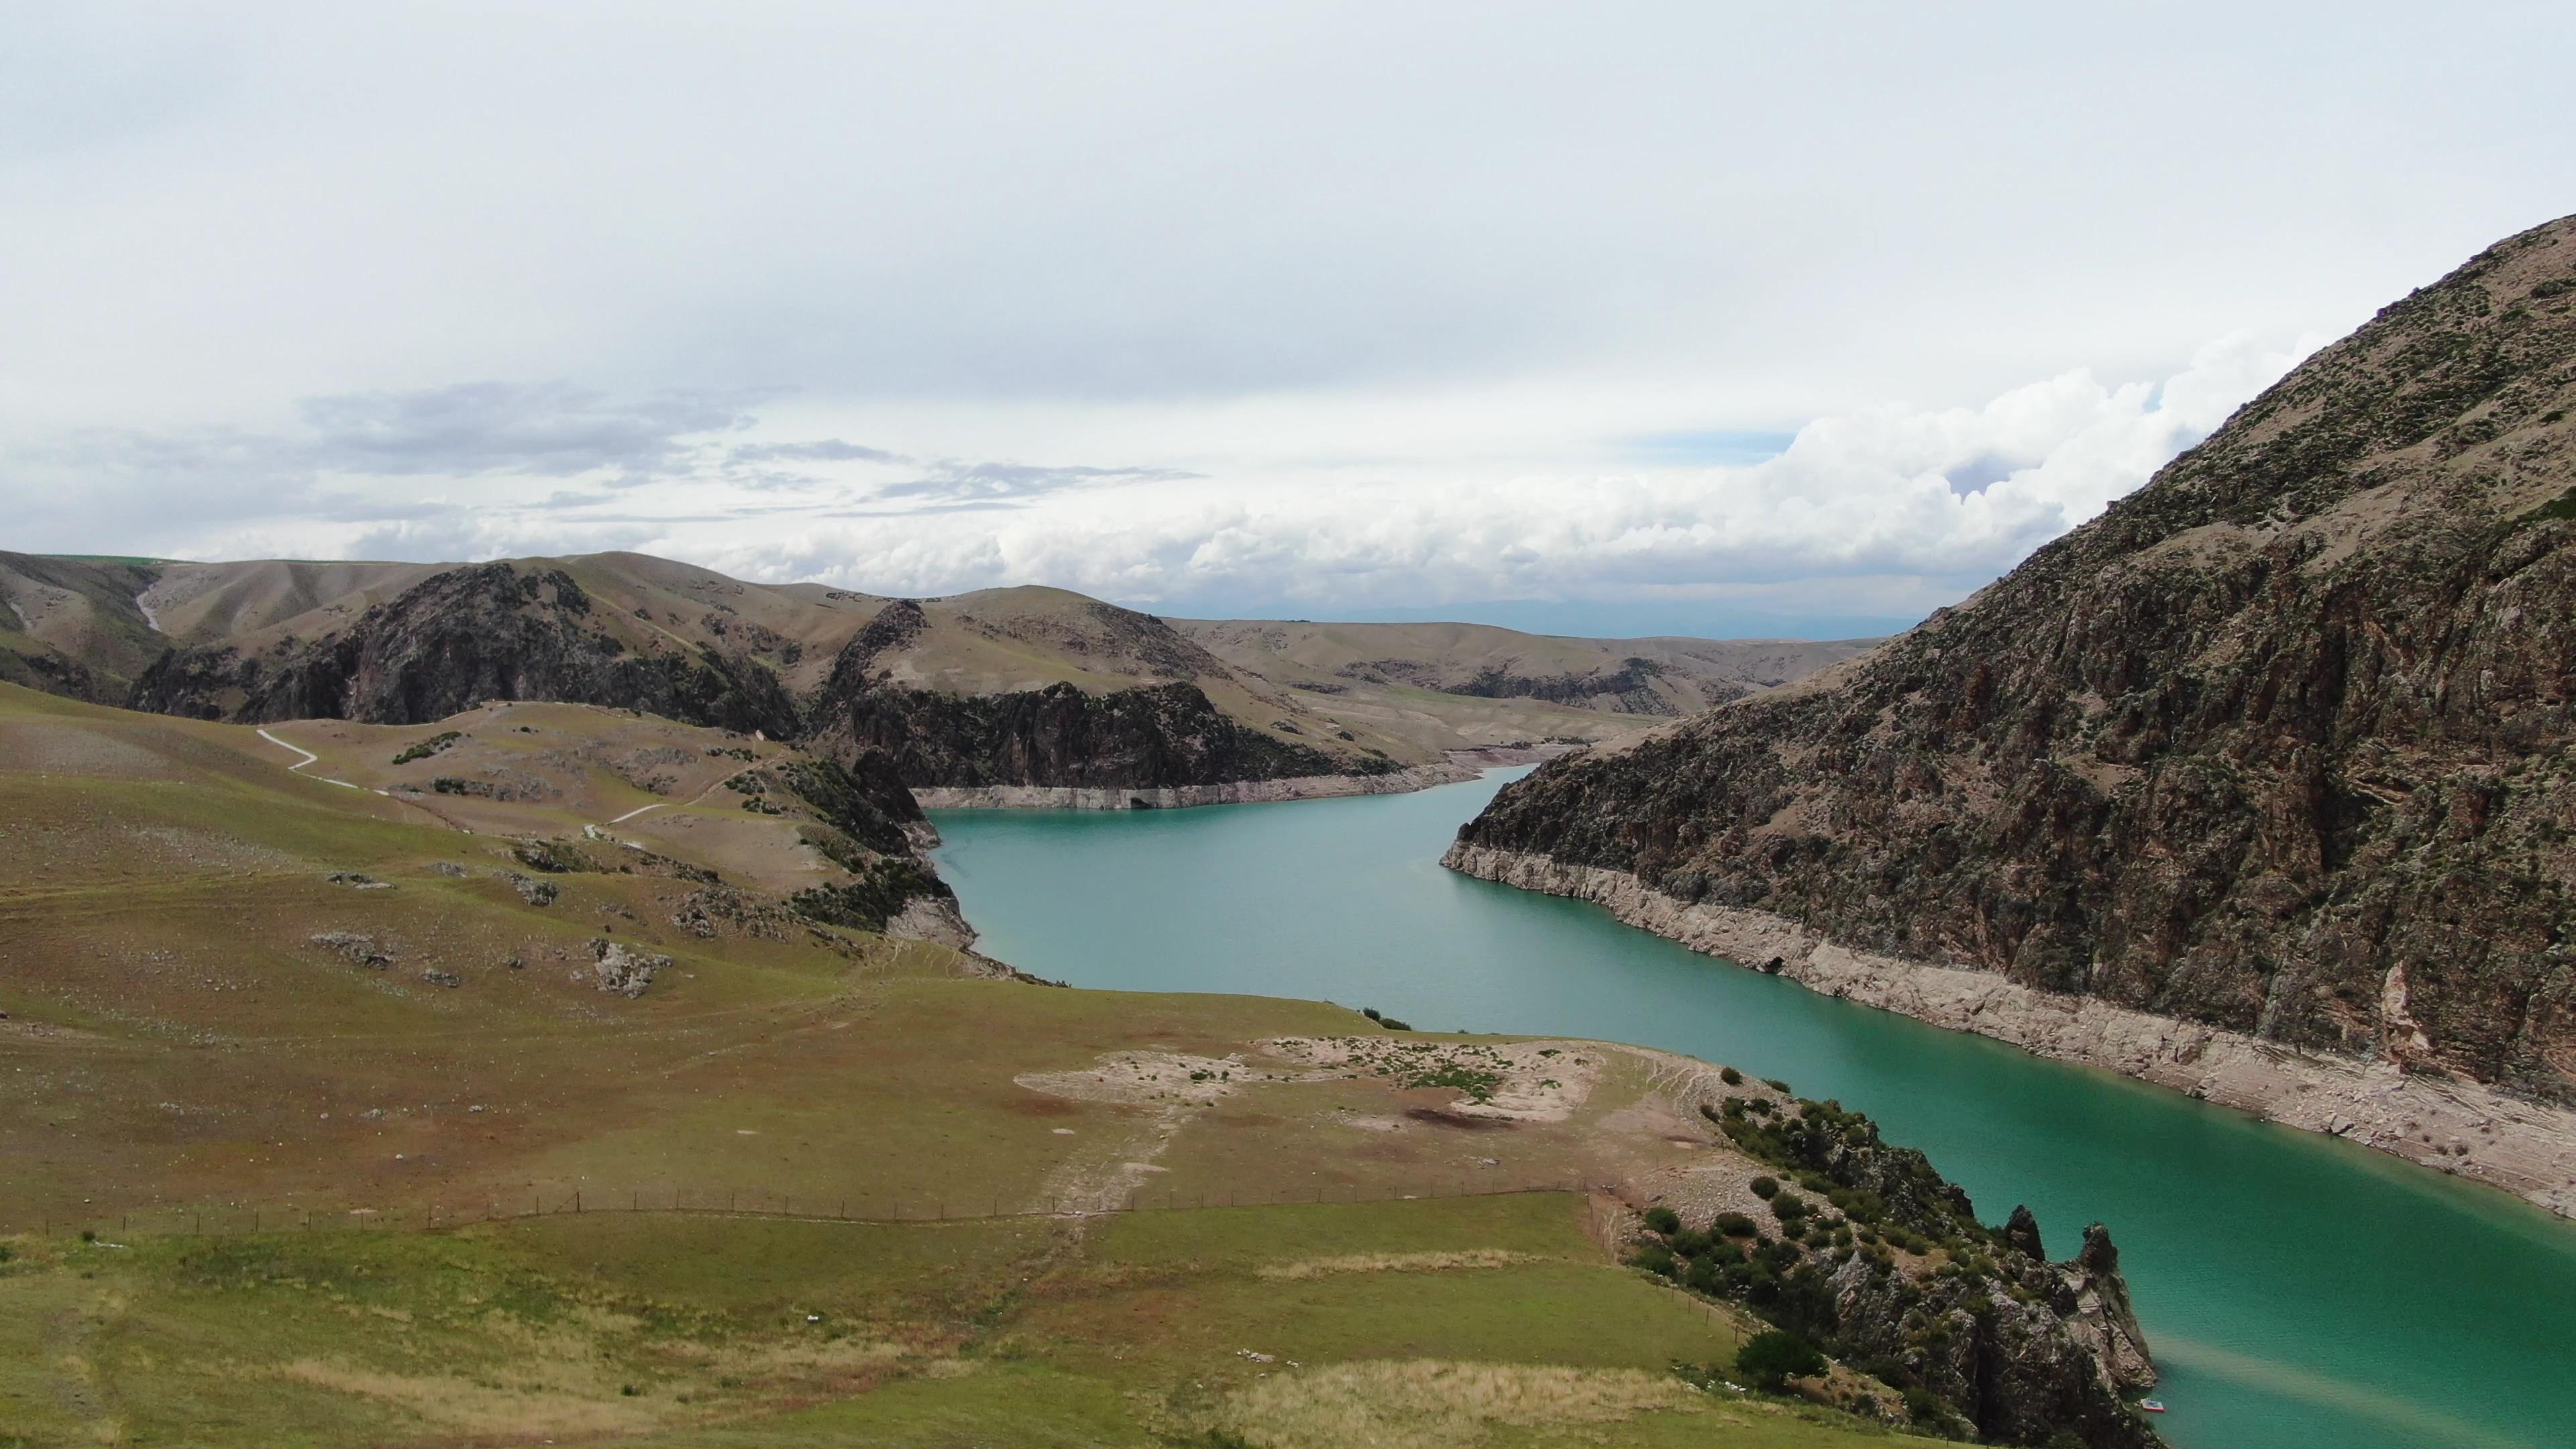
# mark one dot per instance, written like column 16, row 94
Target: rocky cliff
column 1864, row 1249
column 458, row 638
column 2280, row 744
column 1164, row 735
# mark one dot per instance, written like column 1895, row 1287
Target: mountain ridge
column 2278, row 747
column 1018, row 689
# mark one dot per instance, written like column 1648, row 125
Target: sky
column 1615, row 318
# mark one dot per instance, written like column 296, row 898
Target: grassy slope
column 175, row 1045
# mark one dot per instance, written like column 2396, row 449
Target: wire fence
column 524, row 1204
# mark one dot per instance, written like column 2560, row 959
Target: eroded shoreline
column 2459, row 1128
column 1460, row 767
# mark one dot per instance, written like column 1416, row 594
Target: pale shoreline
column 2460, row 1128
column 1460, row 767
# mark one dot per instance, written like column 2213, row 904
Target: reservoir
column 2296, row 1291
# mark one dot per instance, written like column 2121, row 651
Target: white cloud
column 1432, row 298
column 1886, row 511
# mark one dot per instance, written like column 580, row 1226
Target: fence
column 234, row 1220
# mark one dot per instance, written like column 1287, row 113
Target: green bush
column 1736, row 1225
column 1772, row 1358
column 1656, row 1259
column 1731, row 1077
column 1788, row 1207
column 1765, row 1186
column 1663, row 1220
column 428, row 747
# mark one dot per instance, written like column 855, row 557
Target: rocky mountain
column 1024, row 689
column 2279, row 745
column 1389, row 664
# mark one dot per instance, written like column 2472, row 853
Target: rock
column 450, row 868
column 2095, row 1302
column 2022, row 1231
column 357, row 950
column 627, row 973
column 448, row 979
column 356, row 881
column 535, row 892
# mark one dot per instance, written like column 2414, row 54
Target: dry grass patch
column 1428, row 1404
column 1395, row 1263
column 511, row 1406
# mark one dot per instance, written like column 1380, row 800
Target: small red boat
column 2152, row 1406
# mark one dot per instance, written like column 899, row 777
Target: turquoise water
column 2297, row 1291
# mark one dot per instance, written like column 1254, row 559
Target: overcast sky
column 1776, row 318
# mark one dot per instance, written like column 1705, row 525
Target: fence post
column 576, row 1199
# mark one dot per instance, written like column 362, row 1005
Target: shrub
column 1736, row 1225
column 428, row 747
column 1657, row 1259
column 1731, row 1077
column 1663, row 1220
column 1772, row 1358
column 1775, row 1084
column 89, row 1235
column 1788, row 1207
column 1765, row 1186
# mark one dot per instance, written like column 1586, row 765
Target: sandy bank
column 2454, row 1126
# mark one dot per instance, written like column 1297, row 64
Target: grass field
column 192, row 1035
column 1493, row 1320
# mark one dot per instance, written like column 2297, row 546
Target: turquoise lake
column 2296, row 1291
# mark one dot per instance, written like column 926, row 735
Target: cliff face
column 2281, row 743
column 1876, row 1257
column 485, row 631
column 1143, row 738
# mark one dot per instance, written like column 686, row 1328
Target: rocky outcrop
column 1872, row 1254
column 1147, row 738
column 2279, row 748
column 458, row 638
column 1628, row 689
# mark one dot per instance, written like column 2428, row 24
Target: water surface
column 2296, row 1291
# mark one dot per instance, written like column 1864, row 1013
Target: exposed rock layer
column 2279, row 746
column 2527, row 1148
column 1177, row 797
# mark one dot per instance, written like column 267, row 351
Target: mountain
column 1018, row 695
column 2260, row 783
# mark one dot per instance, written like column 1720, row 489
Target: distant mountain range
column 1022, row 688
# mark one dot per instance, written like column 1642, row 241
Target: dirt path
column 692, row 800
column 309, row 759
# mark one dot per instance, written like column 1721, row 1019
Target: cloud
column 954, row 482
column 822, row 450
column 1886, row 511
column 544, row 429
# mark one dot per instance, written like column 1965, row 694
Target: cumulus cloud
column 1883, row 512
